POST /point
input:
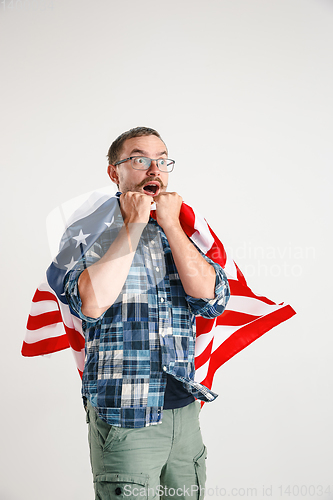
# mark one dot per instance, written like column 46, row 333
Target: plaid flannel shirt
column 148, row 332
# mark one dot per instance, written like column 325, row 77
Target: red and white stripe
column 246, row 317
column 51, row 327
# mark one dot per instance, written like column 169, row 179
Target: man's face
column 130, row 179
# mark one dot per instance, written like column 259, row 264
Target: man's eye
column 162, row 163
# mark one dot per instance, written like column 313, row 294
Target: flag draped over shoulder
column 53, row 326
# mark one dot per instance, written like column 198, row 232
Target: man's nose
column 153, row 170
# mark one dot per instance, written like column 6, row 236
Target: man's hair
column 116, row 146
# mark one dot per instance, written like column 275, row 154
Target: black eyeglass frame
column 151, row 159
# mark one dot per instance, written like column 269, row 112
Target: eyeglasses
column 143, row 163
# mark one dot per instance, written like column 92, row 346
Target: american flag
column 53, row 326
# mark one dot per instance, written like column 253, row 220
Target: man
column 137, row 291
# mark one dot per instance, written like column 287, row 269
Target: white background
column 241, row 91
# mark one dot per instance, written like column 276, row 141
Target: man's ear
column 113, row 174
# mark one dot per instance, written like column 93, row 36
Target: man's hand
column 167, row 209
column 196, row 274
column 135, row 207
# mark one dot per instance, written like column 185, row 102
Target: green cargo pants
column 156, row 462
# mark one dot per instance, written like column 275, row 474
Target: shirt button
column 157, row 269
column 164, row 368
column 162, row 300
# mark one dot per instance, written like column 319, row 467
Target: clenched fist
column 167, row 209
column 135, row 207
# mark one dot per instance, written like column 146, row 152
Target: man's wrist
column 171, row 227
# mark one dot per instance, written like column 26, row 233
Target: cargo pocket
column 121, row 486
column 200, row 470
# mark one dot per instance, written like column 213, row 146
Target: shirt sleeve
column 71, row 281
column 211, row 308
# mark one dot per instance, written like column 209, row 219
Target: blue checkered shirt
column 147, row 333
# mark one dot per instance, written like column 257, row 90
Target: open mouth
column 151, row 189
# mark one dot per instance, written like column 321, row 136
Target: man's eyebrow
column 144, row 153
